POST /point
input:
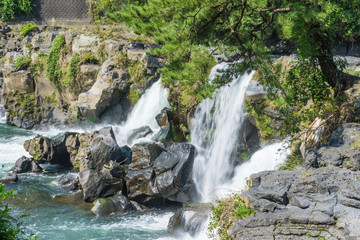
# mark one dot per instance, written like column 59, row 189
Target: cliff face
column 57, row 75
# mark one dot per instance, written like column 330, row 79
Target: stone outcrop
column 156, row 174
column 342, row 150
column 110, row 86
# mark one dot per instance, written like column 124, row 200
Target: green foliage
column 10, row 8
column 10, row 227
column 293, row 160
column 224, row 213
column 22, row 62
column 72, row 71
column 137, row 72
column 27, row 28
column 133, row 96
column 53, row 69
column 97, row 8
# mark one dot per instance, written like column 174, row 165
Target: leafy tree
column 182, row 26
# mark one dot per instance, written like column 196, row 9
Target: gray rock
column 122, row 203
column 139, row 133
column 144, row 155
column 43, row 41
column 92, row 184
column 85, row 43
column 70, row 181
column 190, row 219
column 255, row 92
column 20, row 82
column 9, row 178
column 103, row 207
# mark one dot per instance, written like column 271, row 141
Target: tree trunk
column 337, row 79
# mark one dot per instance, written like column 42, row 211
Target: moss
column 225, row 213
column 53, row 69
column 72, row 71
column 27, row 28
column 133, row 96
column 22, row 62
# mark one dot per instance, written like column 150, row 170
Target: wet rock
column 9, row 178
column 126, row 150
column 122, row 203
column 144, row 155
column 25, row 164
column 53, row 151
column 189, row 219
column 154, row 62
column 70, row 181
column 92, row 184
column 173, row 172
column 103, row 207
column 139, row 185
column 139, row 133
column 93, row 150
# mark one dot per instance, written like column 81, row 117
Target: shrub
column 27, row 28
column 53, row 69
column 224, row 213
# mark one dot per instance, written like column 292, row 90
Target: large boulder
column 156, row 174
column 112, row 205
column 70, row 181
column 254, row 92
column 9, row 178
column 169, row 122
column 173, row 172
column 95, row 185
column 93, row 150
column 110, row 87
column 53, row 151
column 25, row 164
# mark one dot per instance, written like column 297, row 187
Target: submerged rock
column 139, row 133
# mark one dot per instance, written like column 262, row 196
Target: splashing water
column 149, row 105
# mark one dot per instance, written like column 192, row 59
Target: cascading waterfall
column 149, row 105
column 215, row 134
column 217, row 122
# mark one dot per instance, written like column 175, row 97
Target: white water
column 215, row 134
column 149, row 105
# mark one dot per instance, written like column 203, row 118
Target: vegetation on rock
column 27, row 28
column 224, row 213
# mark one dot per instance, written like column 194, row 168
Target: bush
column 27, row 28
column 10, row 8
column 10, row 227
column 225, row 213
column 53, row 69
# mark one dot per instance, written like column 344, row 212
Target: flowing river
column 54, row 217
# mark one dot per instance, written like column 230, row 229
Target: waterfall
column 149, row 105
column 218, row 121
